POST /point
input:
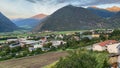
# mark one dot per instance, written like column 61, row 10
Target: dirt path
column 34, row 61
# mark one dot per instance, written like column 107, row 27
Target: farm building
column 103, row 45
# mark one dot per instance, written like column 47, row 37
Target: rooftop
column 107, row 42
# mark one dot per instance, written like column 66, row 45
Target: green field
column 23, row 33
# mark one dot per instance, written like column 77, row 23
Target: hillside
column 116, row 20
column 6, row 25
column 72, row 18
column 101, row 12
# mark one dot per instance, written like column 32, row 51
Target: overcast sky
column 28, row 8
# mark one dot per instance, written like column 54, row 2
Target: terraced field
column 34, row 61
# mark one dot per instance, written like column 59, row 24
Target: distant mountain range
column 29, row 23
column 113, row 9
column 101, row 12
column 6, row 25
column 78, row 18
column 66, row 18
column 40, row 16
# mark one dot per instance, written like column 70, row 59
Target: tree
column 115, row 35
column 86, row 39
column 16, row 49
column 82, row 59
column 38, row 51
column 47, row 45
column 52, row 48
column 102, row 37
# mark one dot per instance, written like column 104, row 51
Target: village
column 95, row 40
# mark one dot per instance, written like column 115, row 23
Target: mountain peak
column 69, row 6
column 71, row 18
column 113, row 9
column 94, row 7
column 39, row 16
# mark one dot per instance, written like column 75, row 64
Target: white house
column 56, row 43
column 12, row 40
column 38, row 45
column 97, row 47
column 35, row 44
column 103, row 45
column 114, row 48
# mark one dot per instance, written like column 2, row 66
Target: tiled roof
column 107, row 42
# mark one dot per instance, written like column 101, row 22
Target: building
column 12, row 40
column 90, row 34
column 114, row 48
column 103, row 45
column 14, row 45
column 56, row 43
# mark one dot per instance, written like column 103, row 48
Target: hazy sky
column 28, row 8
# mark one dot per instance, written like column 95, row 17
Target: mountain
column 116, row 20
column 6, row 25
column 117, row 15
column 29, row 23
column 72, row 18
column 113, row 9
column 40, row 16
column 101, row 12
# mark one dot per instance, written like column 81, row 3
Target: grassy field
column 24, row 33
column 38, row 61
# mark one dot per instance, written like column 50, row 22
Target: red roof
column 107, row 42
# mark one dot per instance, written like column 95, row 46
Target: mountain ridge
column 71, row 18
column 113, row 9
column 6, row 25
column 30, row 22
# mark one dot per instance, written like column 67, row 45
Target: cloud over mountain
column 78, row 2
column 27, row 8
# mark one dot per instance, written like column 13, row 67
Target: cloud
column 28, row 8
column 101, row 2
column 32, row 1
column 16, row 8
column 78, row 2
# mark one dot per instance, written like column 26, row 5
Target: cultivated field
column 34, row 61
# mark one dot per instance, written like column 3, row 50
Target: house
column 90, row 34
column 95, row 35
column 60, row 36
column 38, row 45
column 31, row 48
column 56, row 43
column 28, row 42
column 12, row 40
column 14, row 45
column 114, row 48
column 103, row 45
column 76, row 38
column 22, row 39
column 34, row 44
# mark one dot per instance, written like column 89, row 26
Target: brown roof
column 107, row 42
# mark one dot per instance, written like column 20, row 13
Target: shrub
column 83, row 59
